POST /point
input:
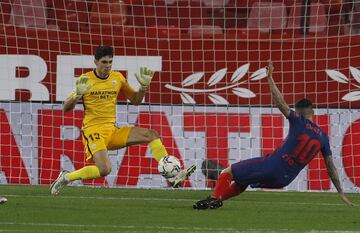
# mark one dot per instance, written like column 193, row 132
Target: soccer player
column 277, row 170
column 98, row 90
column 3, row 200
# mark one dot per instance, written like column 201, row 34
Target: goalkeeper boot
column 3, row 200
column 183, row 175
column 59, row 183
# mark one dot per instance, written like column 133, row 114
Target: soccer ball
column 169, row 166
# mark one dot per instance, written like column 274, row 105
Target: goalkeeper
column 98, row 90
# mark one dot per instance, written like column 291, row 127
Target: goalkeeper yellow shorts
column 104, row 137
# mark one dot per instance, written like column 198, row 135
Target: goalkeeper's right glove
column 81, row 87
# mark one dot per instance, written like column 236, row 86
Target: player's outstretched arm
column 275, row 93
column 335, row 179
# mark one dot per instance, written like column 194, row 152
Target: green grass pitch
column 79, row 209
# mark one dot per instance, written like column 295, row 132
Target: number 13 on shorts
column 93, row 143
column 94, row 136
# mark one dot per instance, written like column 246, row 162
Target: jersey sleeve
column 326, row 151
column 126, row 89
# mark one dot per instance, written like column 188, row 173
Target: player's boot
column 3, row 200
column 59, row 183
column 215, row 203
column 207, row 203
column 183, row 175
column 202, row 204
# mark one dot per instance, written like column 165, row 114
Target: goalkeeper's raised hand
column 144, row 77
column 81, row 86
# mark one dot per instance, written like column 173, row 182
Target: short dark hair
column 303, row 103
column 102, row 51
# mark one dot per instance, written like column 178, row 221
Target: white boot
column 59, row 183
column 183, row 175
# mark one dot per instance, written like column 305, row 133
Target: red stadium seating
column 266, row 16
column 356, row 15
column 247, row 33
column 318, row 20
column 235, row 14
column 5, row 9
column 186, row 12
column 70, row 15
column 108, row 13
column 332, row 6
column 148, row 13
column 204, row 30
column 28, row 13
column 76, row 15
column 163, row 32
column 215, row 3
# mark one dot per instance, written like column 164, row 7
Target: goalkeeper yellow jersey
column 100, row 100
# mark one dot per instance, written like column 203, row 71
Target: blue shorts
column 262, row 172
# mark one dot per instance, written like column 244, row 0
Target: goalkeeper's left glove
column 144, row 77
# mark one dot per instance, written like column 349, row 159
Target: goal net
column 209, row 100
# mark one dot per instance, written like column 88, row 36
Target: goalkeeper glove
column 144, row 78
column 81, row 87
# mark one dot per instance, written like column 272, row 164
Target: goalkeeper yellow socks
column 158, row 149
column 85, row 173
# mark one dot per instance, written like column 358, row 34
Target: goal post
column 209, row 99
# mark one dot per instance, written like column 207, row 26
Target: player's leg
column 139, row 135
column 225, row 187
column 94, row 140
column 3, row 200
column 243, row 173
column 128, row 136
column 101, row 168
